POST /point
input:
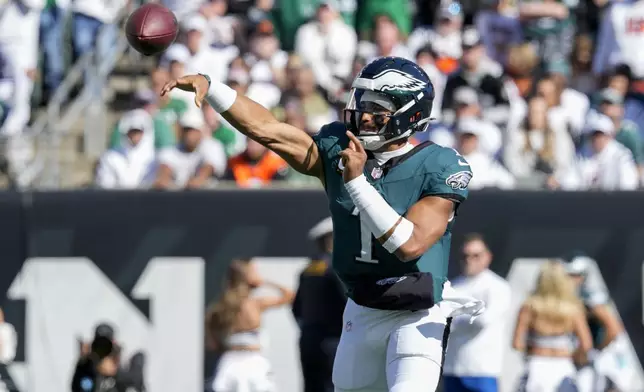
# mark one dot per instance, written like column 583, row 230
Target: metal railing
column 62, row 113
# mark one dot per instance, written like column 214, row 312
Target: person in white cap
column 129, row 164
column 318, row 307
column 610, row 165
column 488, row 172
column 195, row 160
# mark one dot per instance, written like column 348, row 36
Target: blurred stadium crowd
column 536, row 94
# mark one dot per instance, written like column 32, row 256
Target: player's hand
column 197, row 84
column 354, row 158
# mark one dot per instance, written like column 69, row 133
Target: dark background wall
column 121, row 231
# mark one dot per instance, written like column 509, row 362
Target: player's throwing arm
column 253, row 120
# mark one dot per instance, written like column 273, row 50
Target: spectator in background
column 582, row 78
column 233, row 330
column 500, row 29
column 521, row 63
column 19, row 23
column 611, row 104
column 538, row 148
column 318, row 308
column 9, row 341
column 397, row 11
column 94, row 27
column 426, row 59
column 131, row 164
column 183, row 8
column 467, row 106
column 619, row 40
column 444, row 37
column 267, row 62
column 610, row 165
column 201, row 57
column 386, row 41
column 162, row 135
column 487, row 171
column 328, row 45
column 549, row 26
column 52, row 25
column 195, row 160
column 574, row 104
column 474, row 360
column 549, row 319
column 484, row 75
column 256, row 167
column 220, row 25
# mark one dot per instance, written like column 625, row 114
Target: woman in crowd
column 551, row 322
column 233, row 330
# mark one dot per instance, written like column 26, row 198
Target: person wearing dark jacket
column 318, row 307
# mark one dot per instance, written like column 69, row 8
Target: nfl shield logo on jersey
column 459, row 180
column 376, row 173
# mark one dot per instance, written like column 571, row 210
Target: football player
column 393, row 206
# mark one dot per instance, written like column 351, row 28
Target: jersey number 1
column 366, row 243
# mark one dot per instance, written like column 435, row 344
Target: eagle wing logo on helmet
column 393, row 79
column 459, row 180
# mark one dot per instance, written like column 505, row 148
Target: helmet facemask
column 389, row 120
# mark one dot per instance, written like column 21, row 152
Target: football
column 151, row 28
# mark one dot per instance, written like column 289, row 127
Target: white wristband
column 220, row 96
column 376, row 212
column 402, row 233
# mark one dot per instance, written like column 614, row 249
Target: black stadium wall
column 121, row 231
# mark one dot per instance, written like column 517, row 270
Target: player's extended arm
column 253, row 120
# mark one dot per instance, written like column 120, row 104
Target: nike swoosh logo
column 463, row 163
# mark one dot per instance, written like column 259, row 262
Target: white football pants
column 395, row 351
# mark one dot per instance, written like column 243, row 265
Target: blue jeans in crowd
column 470, row 384
column 86, row 37
column 52, row 22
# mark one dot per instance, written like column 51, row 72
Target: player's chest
column 397, row 185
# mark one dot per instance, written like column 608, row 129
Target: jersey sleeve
column 329, row 141
column 447, row 175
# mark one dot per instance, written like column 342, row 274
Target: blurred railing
column 63, row 113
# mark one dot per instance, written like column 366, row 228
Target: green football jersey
column 427, row 170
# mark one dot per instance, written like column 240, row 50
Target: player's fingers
column 167, row 87
column 199, row 96
column 357, row 146
column 352, row 146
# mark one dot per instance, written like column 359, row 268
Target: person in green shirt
column 399, row 11
column 289, row 15
column 611, row 103
column 165, row 111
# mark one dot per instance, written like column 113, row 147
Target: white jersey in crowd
column 185, row 164
column 476, row 349
column 611, row 169
column 488, row 173
column 626, row 19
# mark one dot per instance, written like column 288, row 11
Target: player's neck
column 397, row 145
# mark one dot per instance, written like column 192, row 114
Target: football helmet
column 390, row 99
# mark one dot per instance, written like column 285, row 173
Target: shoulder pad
column 335, row 129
